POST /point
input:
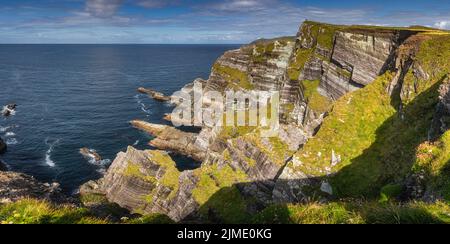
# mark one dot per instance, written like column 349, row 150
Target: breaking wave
column 141, row 104
column 11, row 112
column 48, row 154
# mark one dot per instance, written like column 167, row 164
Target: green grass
column 377, row 145
column 354, row 212
column 217, row 194
column 298, row 62
column 263, row 51
column 236, row 78
column 433, row 159
column 324, row 34
column 171, row 175
column 315, row 100
column 30, row 211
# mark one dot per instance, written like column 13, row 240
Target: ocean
column 75, row 96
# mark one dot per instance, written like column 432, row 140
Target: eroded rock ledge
column 171, row 139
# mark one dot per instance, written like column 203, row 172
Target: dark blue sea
column 74, row 96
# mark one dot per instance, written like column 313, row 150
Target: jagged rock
column 154, row 94
column 335, row 159
column 312, row 69
column 16, row 186
column 3, row 146
column 90, row 153
column 442, row 115
column 335, row 81
column 288, row 187
column 326, row 187
column 9, row 109
column 375, row 48
column 305, row 37
column 293, row 136
column 171, row 139
column 147, row 182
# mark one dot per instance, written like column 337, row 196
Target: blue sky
column 198, row 21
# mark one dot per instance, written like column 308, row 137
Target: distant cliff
column 359, row 108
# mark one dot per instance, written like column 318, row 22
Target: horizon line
column 123, row 43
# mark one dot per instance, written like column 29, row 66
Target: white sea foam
column 48, row 154
column 11, row 141
column 10, row 134
column 11, row 112
column 136, row 143
column 3, row 129
column 141, row 104
column 101, row 164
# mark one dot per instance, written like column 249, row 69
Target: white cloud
column 103, row 8
column 442, row 24
column 156, row 3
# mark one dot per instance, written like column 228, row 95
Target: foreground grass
column 29, row 211
column 356, row 213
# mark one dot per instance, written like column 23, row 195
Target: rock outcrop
column 91, row 154
column 3, row 146
column 158, row 96
column 9, row 109
column 147, row 182
column 16, row 186
column 171, row 139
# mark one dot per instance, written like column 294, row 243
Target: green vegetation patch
column 298, row 62
column 236, row 78
column 30, row 211
column 354, row 212
column 433, row 159
column 216, row 193
column 315, row 100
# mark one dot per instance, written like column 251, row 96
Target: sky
column 198, row 21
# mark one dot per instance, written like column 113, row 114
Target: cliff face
column 346, row 93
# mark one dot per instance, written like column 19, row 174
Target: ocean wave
column 7, row 128
column 10, row 134
column 136, row 143
column 101, row 164
column 141, row 104
column 11, row 141
column 48, row 153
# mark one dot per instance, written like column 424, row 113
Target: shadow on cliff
column 226, row 208
column 388, row 160
column 391, row 157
